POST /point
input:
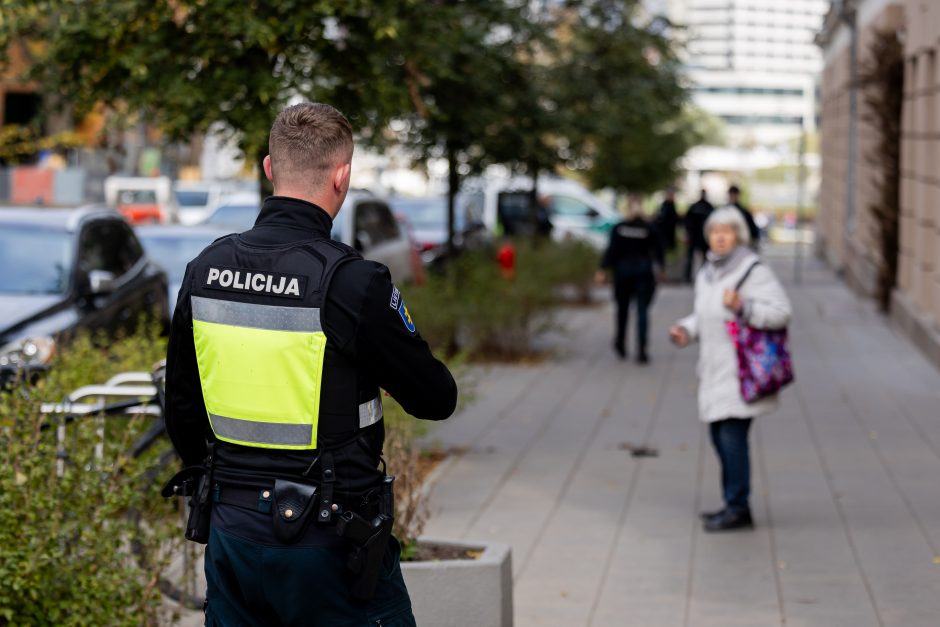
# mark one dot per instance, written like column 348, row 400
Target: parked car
column 237, row 213
column 64, row 270
column 142, row 199
column 426, row 218
column 173, row 246
column 367, row 224
column 574, row 211
column 197, row 199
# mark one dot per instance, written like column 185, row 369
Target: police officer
column 695, row 219
column 734, row 199
column 667, row 219
column 633, row 250
column 280, row 344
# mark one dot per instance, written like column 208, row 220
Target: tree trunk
column 533, row 169
column 453, row 186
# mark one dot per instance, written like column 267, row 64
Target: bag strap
column 737, row 288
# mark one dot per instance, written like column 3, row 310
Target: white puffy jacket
column 766, row 306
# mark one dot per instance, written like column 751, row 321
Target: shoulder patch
column 396, row 298
column 406, row 317
column 254, row 282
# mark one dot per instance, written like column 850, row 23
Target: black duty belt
column 262, row 499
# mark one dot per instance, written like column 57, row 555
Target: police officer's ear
column 268, row 172
column 341, row 174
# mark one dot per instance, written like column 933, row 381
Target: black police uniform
column 695, row 219
column 254, row 576
column 633, row 249
column 667, row 219
column 752, row 227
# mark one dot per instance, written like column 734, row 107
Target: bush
column 65, row 534
column 569, row 264
column 473, row 309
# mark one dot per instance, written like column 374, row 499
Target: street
column 846, row 499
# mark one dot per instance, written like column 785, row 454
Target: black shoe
column 729, row 521
column 642, row 358
column 621, row 350
column 703, row 516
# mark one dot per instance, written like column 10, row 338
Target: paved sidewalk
column 847, row 496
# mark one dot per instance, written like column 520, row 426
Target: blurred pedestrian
column 695, row 219
column 734, row 199
column 631, row 255
column 667, row 219
column 720, row 297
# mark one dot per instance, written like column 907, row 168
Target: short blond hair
column 730, row 216
column 307, row 140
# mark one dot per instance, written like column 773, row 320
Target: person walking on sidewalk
column 734, row 199
column 720, row 296
column 633, row 250
column 667, row 219
column 695, row 219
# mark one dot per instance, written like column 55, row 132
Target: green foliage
column 65, row 539
column 622, row 97
column 473, row 309
column 185, row 64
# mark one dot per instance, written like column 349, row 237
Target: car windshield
column 236, row 216
column 173, row 252
column 34, row 259
column 427, row 213
column 137, row 197
column 192, row 198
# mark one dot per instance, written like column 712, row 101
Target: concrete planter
column 462, row 593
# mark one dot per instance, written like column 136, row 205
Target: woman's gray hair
column 730, row 216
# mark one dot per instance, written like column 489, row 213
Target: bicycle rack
column 139, row 394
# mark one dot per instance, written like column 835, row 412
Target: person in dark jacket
column 667, row 219
column 734, row 198
column 281, row 345
column 631, row 255
column 695, row 219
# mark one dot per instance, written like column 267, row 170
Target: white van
column 573, row 210
column 367, row 224
column 142, row 199
column 197, row 199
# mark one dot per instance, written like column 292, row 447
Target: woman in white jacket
column 761, row 303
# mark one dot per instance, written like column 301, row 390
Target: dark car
column 173, row 246
column 66, row 270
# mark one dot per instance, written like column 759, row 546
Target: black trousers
column 255, row 580
column 639, row 288
column 690, row 259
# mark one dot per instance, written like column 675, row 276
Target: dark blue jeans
column 730, row 439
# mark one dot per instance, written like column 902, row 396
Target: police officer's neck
column 329, row 205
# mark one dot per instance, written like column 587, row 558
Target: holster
column 369, row 540
column 293, row 502
column 196, row 483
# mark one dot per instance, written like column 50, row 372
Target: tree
column 461, row 62
column 621, row 90
column 184, row 65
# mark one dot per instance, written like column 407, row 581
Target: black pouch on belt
column 293, row 502
column 196, row 483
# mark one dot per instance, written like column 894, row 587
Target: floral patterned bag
column 764, row 363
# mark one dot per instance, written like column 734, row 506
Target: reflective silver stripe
column 270, row 317
column 249, row 431
column 370, row 412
